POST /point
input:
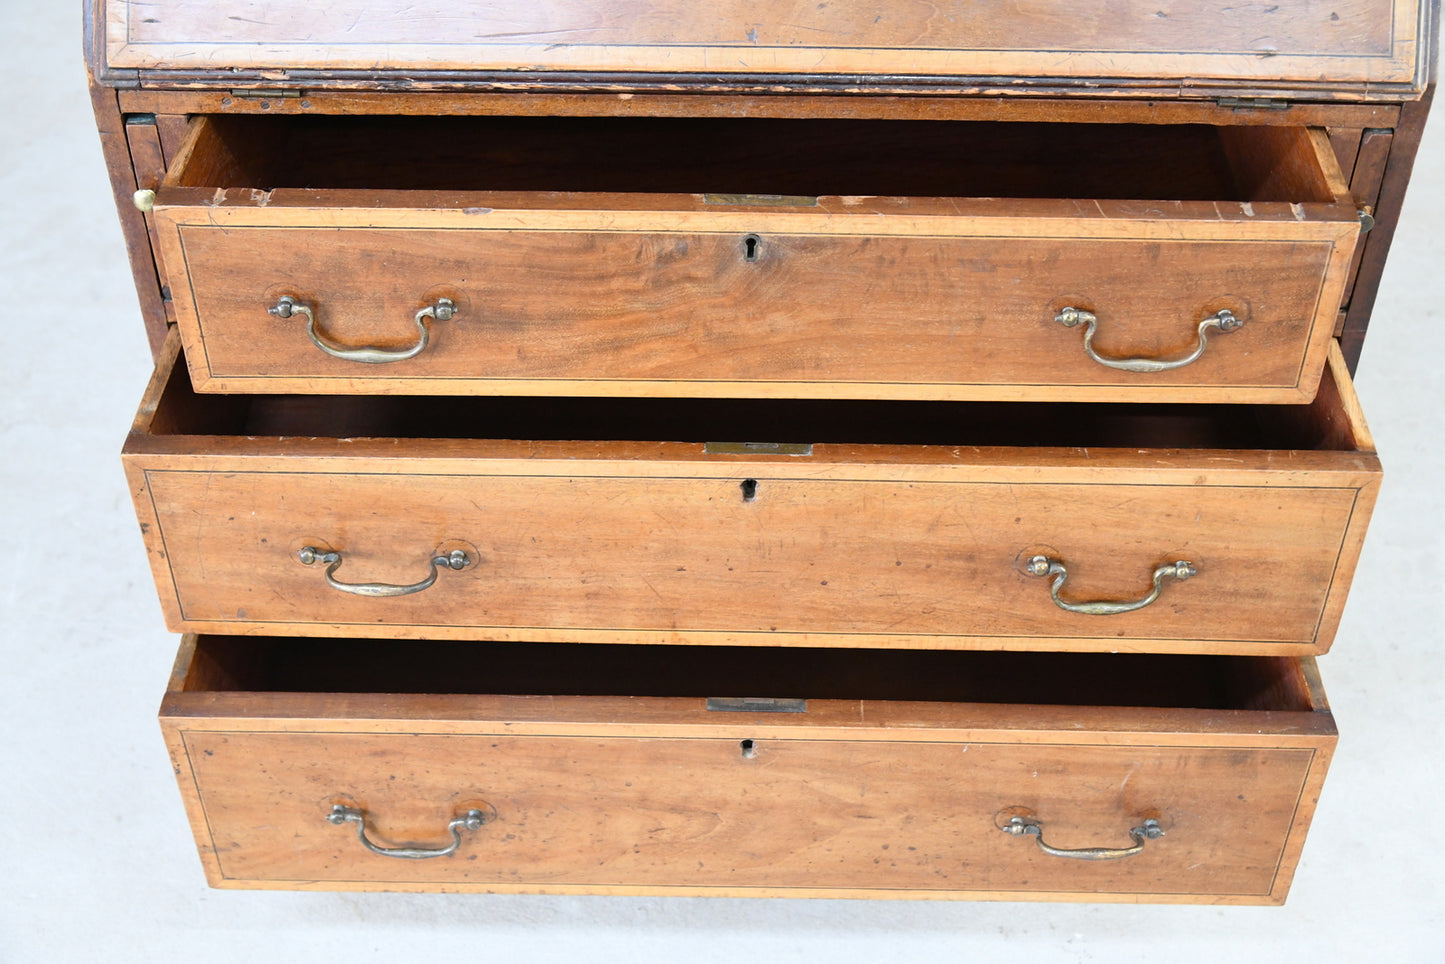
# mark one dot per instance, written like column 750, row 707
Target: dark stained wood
column 587, row 538
column 1403, row 147
column 1346, row 144
column 774, row 105
column 149, row 165
column 147, row 158
column 760, row 156
column 110, row 124
column 1333, row 420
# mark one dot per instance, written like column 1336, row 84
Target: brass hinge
column 1254, row 103
column 267, row 94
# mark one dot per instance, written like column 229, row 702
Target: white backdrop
column 96, row 860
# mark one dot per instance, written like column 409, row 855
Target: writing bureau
column 644, row 450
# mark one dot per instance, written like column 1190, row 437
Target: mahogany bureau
column 755, row 449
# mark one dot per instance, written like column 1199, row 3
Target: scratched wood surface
column 510, row 103
column 851, row 295
column 1353, row 42
column 854, row 545
column 656, row 795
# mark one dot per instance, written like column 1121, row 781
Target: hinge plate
column 752, row 704
column 1254, row 103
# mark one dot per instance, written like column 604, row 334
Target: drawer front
column 764, row 312
column 797, row 816
column 785, row 559
column 538, row 269
column 836, row 797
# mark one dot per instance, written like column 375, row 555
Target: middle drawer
column 636, row 257
column 1226, row 529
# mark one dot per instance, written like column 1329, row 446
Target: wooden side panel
column 1336, row 116
column 1346, row 144
column 1365, row 182
column 1353, row 41
column 1354, row 540
column 797, row 817
column 1392, row 186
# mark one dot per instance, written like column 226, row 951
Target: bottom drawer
column 554, row 768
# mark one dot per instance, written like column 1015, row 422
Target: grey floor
column 96, row 863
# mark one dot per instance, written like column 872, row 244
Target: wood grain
column 149, row 163
column 1356, row 41
column 656, row 796
column 884, row 537
column 1365, row 182
column 685, row 314
column 753, row 155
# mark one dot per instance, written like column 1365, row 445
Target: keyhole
column 750, row 489
column 749, row 750
column 752, row 248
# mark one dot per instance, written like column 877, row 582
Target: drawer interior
column 1323, row 425
column 757, row 156
column 308, row 665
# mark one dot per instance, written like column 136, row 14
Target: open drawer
column 350, row 764
column 1189, row 528
column 714, row 257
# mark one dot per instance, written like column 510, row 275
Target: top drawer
column 714, row 257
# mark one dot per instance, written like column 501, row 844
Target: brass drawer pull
column 1044, row 566
column 1027, row 826
column 471, row 820
column 443, row 310
column 456, row 559
column 1224, row 320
